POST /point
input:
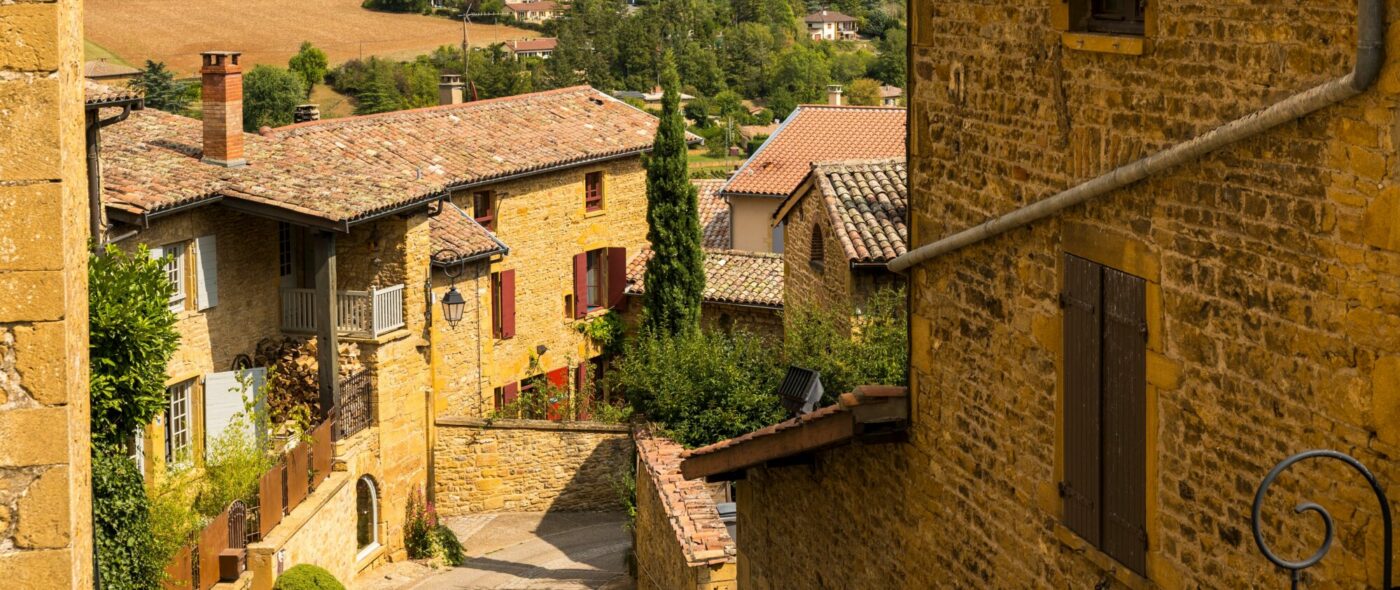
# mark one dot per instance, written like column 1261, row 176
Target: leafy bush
column 174, row 520
column 310, row 64
column 702, row 386
column 132, row 337
column 307, row 577
column 122, row 519
column 425, row 537
column 605, row 331
column 626, row 487
column 851, row 346
column 161, row 89
column 235, row 460
column 419, row 6
column 270, row 97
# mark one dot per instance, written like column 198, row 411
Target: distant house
column 891, row 95
column 812, row 133
column 101, row 70
column 534, row 12
column 651, row 98
column 829, row 25
column 541, row 48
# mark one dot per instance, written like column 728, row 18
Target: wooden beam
column 817, row 434
column 327, row 337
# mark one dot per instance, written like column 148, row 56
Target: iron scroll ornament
column 1295, row 568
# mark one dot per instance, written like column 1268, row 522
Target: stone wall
column 678, row 538
column 321, row 532
column 528, row 465
column 807, row 285
column 1272, row 309
column 45, row 474
column 543, row 221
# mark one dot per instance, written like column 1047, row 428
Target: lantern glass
column 453, row 304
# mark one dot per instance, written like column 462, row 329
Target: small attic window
column 817, row 255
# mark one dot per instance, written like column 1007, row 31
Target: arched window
column 818, row 246
column 366, row 516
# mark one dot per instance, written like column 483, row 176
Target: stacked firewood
column 294, row 391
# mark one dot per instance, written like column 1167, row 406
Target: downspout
column 1370, row 54
column 94, row 125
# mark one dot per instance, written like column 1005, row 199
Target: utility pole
column 466, row 58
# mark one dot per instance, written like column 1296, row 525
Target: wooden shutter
column 206, row 272
column 580, row 285
column 1080, row 305
column 507, row 303
column 509, row 393
column 1124, row 422
column 617, row 278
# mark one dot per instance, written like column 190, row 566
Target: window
column 366, row 516
column 1105, row 418
column 1124, row 17
column 778, row 237
column 593, row 191
column 175, row 273
column 483, row 210
column 817, row 256
column 178, row 411
column 503, row 304
column 594, row 292
column 284, row 249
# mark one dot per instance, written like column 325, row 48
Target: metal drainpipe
column 94, row 124
column 1370, row 54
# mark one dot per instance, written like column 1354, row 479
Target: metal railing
column 356, row 409
column 369, row 313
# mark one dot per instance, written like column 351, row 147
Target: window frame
column 595, row 279
column 363, row 551
column 593, row 193
column 487, row 220
column 816, row 251
column 1131, row 19
column 177, row 273
column 181, row 454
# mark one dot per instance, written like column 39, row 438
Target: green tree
column 675, row 276
column 890, row 64
column 863, row 92
column 851, row 346
column 702, row 386
column 121, row 521
column 310, row 63
column 747, row 57
column 131, row 339
column 161, row 90
column 850, row 65
column 270, row 97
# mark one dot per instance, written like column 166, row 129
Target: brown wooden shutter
column 1080, row 488
column 580, row 285
column 509, row 393
column 617, row 278
column 1124, row 419
column 508, row 303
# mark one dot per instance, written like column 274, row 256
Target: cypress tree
column 675, row 275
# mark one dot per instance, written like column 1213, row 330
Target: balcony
column 360, row 314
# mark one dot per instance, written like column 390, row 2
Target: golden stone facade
column 1271, row 304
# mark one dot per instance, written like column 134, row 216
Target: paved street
column 555, row 551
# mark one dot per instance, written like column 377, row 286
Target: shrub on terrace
column 307, row 577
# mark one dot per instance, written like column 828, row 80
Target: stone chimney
column 833, row 95
column 306, row 112
column 450, row 89
column 222, row 92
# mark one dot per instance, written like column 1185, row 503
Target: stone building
column 1101, row 381
column 812, row 133
column 353, row 231
column 45, row 523
column 844, row 224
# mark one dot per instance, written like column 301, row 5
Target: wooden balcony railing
column 369, row 313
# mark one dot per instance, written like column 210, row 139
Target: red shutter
column 508, row 304
column 559, row 378
column 1081, row 305
column 617, row 278
column 510, row 392
column 580, row 285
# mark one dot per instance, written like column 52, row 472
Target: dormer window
column 483, row 209
column 593, row 191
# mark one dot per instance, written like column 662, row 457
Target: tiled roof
column 867, row 203
column 689, row 507
column 453, row 230
column 519, row 45
column 731, row 276
column 817, row 133
column 714, row 213
column 825, row 427
column 543, row 5
column 887, row 91
column 342, row 170
column 95, row 94
column 101, row 68
column 829, row 16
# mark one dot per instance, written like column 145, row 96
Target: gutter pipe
column 93, row 135
column 1370, row 55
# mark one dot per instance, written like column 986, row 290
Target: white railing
column 358, row 313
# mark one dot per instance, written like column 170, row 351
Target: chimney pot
column 306, row 112
column 222, row 97
column 833, row 95
column 450, row 89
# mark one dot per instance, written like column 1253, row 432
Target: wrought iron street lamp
column 453, row 303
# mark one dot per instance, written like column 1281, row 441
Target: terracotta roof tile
column 867, row 203
column 541, row 44
column 689, row 507
column 453, row 230
column 341, row 170
column 714, row 213
column 95, row 94
column 540, row 6
column 817, row 133
column 731, row 276
column 829, row 16
column 101, row 68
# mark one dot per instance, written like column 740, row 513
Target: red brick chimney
column 222, row 93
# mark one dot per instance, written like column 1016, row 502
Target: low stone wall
column 528, row 465
column 321, row 531
column 679, row 540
